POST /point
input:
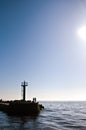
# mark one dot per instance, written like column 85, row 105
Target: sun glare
column 82, row 33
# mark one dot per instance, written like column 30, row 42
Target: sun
column 82, row 33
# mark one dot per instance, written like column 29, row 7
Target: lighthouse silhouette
column 24, row 84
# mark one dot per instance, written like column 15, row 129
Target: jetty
column 23, row 106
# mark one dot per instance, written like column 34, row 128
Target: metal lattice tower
column 24, row 84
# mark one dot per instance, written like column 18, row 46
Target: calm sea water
column 55, row 116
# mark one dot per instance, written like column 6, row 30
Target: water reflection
column 22, row 122
column 17, row 122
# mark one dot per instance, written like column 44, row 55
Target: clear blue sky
column 39, row 44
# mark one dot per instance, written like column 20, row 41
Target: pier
column 21, row 107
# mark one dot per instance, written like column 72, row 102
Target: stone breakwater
column 21, row 107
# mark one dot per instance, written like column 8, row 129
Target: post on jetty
column 24, row 84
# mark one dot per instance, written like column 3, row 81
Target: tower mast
column 24, row 84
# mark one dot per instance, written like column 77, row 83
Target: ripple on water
column 55, row 116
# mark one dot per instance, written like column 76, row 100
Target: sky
column 39, row 43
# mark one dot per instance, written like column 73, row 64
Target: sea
column 55, row 116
